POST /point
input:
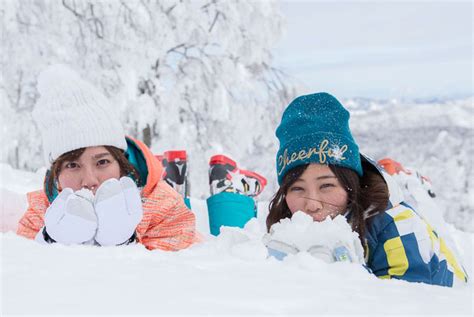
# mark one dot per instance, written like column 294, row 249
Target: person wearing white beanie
column 102, row 187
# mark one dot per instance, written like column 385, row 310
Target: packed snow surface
column 229, row 274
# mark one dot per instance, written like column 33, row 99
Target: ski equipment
column 225, row 176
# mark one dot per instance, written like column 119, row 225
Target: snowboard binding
column 176, row 171
column 225, row 176
column 393, row 167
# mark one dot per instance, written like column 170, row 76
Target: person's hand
column 337, row 253
column 278, row 249
column 119, row 210
column 322, row 252
column 71, row 218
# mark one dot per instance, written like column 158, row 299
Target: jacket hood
column 395, row 192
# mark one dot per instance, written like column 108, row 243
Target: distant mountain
column 434, row 138
column 364, row 104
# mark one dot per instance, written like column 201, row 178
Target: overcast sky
column 380, row 49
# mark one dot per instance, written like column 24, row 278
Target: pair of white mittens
column 339, row 253
column 110, row 217
column 330, row 240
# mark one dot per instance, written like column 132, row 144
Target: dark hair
column 126, row 168
column 367, row 195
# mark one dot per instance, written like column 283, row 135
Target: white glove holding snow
column 71, row 218
column 330, row 240
column 119, row 210
column 278, row 249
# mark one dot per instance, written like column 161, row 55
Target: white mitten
column 337, row 253
column 322, row 252
column 119, row 210
column 278, row 249
column 71, row 219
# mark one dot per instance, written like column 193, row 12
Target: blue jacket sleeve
column 403, row 246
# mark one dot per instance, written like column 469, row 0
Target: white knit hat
column 72, row 114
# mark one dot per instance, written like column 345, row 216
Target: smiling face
column 93, row 167
column 318, row 193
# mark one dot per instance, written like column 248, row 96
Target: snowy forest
column 183, row 74
column 199, row 75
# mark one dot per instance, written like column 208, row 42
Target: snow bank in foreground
column 229, row 274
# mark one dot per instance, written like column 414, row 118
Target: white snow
column 303, row 233
column 206, row 67
column 229, row 274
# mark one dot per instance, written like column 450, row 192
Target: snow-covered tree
column 188, row 74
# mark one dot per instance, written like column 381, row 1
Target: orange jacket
column 167, row 223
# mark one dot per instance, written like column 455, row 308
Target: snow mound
column 304, row 233
column 228, row 274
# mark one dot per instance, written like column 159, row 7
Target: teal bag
column 229, row 209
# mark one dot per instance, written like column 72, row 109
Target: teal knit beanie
column 315, row 129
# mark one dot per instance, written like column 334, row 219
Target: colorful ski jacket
column 403, row 245
column 167, row 223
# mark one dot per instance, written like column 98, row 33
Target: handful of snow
column 321, row 239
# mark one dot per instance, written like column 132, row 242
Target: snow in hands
column 330, row 240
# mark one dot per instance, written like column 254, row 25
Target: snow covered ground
column 229, row 274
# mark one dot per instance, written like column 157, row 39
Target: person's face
column 90, row 170
column 318, row 193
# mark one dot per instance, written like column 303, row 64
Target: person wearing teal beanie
column 321, row 172
column 315, row 128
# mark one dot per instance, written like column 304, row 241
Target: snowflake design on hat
column 337, row 153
